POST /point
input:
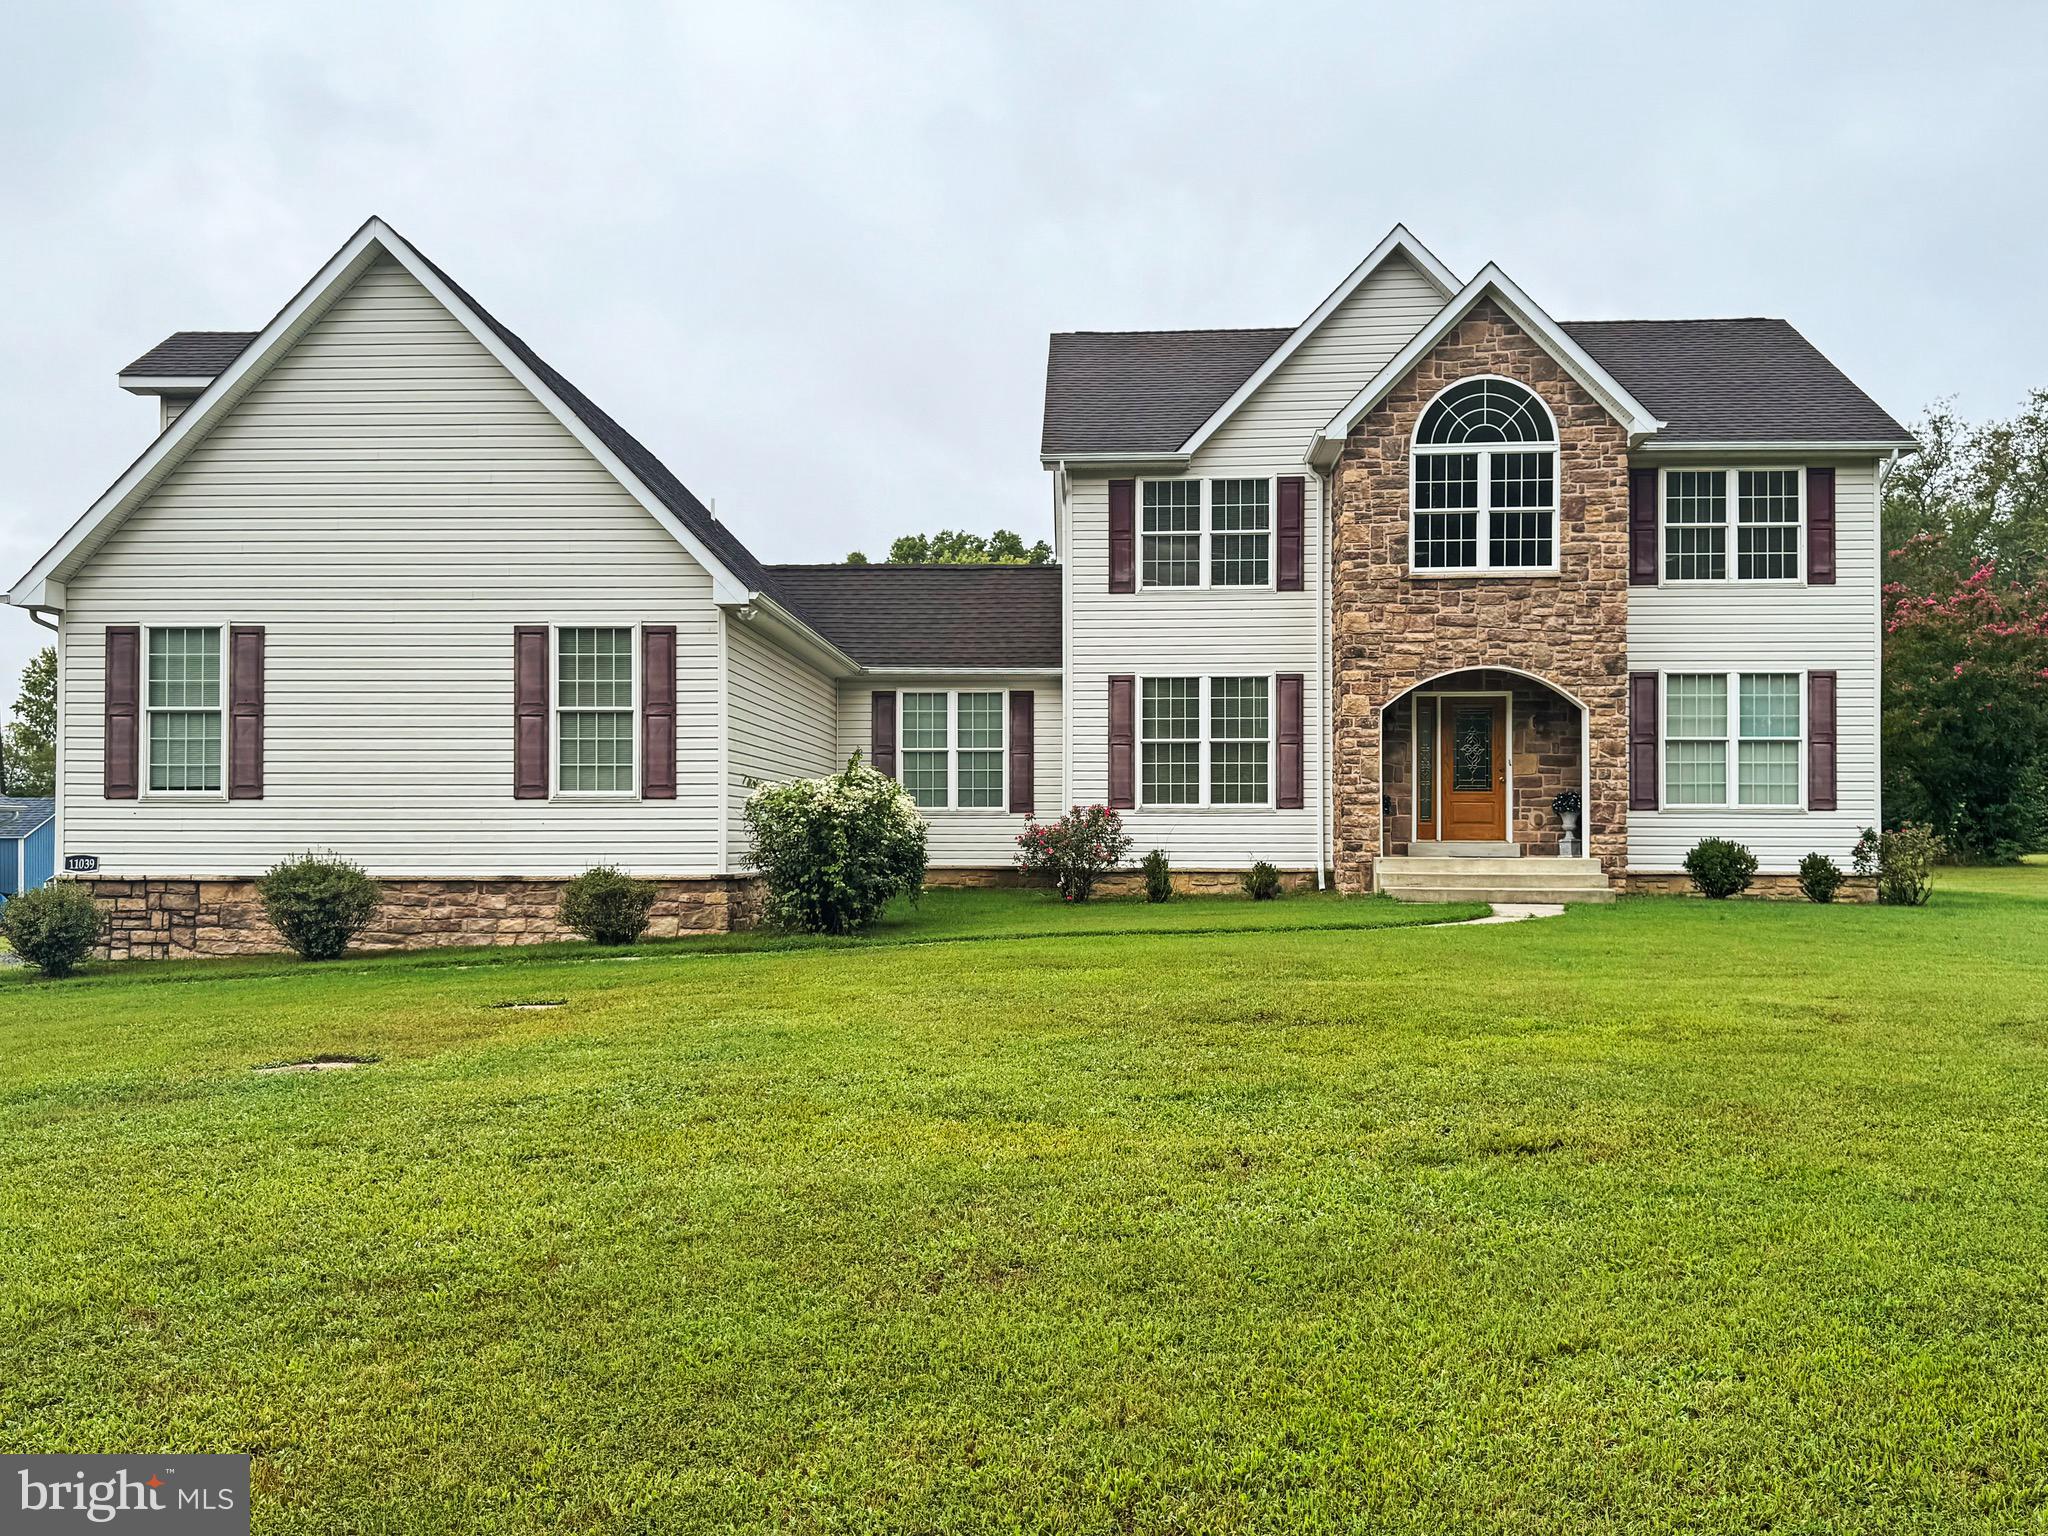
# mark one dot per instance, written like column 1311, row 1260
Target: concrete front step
column 1555, row 871
column 1534, row 895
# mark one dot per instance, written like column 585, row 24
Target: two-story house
column 1360, row 596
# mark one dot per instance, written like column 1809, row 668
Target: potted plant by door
column 1567, row 807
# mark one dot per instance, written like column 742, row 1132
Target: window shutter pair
column 1290, row 497
column 122, row 683
column 1288, row 740
column 1820, row 741
column 1023, row 748
column 531, row 707
column 1642, row 527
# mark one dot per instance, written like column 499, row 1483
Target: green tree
column 1972, row 496
column 28, row 754
column 958, row 547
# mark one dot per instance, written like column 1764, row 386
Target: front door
column 1475, row 770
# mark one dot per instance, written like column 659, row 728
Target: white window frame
column 144, row 711
column 556, row 709
column 1204, row 739
column 1483, row 545
column 953, row 750
column 1732, row 744
column 1734, row 472
column 1205, row 533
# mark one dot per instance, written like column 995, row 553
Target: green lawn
column 1669, row 1215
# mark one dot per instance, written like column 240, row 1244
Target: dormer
column 179, row 367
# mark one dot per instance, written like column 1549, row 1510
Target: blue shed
column 28, row 843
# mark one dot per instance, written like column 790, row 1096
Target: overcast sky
column 809, row 253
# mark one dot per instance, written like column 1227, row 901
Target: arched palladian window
column 1485, row 478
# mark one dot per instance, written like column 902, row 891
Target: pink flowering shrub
column 1076, row 851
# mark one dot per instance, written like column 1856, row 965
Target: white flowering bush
column 834, row 852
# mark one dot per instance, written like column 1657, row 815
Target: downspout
column 1059, row 542
column 1324, row 620
column 1884, row 475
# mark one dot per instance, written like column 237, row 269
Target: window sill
column 1470, row 573
column 591, row 797
column 1741, row 810
column 1734, row 581
column 1205, row 810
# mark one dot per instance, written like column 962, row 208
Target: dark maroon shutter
column 123, row 703
column 1123, row 743
column 1123, row 535
column 1820, row 527
column 1642, row 527
column 658, row 712
column 530, row 712
column 1287, row 742
column 245, row 712
column 1642, row 741
column 882, row 732
column 1287, row 521
column 1820, row 741
column 1023, row 752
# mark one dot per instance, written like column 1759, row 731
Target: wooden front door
column 1474, row 776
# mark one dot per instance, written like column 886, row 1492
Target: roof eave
column 164, row 384
column 792, row 633
column 1099, row 459
column 1842, row 445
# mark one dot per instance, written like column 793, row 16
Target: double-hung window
column 1767, row 519
column 182, row 697
column 1206, row 533
column 1206, row 741
column 1753, row 746
column 1484, row 482
column 952, row 749
column 594, row 712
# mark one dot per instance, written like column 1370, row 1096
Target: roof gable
column 736, row 575
column 1494, row 284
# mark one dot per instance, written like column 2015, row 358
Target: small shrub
column 53, row 927
column 1820, row 877
column 608, row 906
column 1903, row 862
column 835, row 852
column 1076, row 851
column 1261, row 882
column 1719, row 868
column 1158, row 876
column 319, row 904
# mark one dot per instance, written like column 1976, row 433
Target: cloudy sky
column 810, row 252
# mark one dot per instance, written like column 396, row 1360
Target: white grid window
column 1696, row 739
column 1767, row 525
column 1231, row 519
column 181, row 697
column 1171, row 739
column 951, row 749
column 1767, row 755
column 923, row 747
column 1769, row 507
column 1477, row 507
column 1205, row 741
column 1239, row 740
column 1172, row 533
column 594, row 710
column 1695, row 525
column 1757, row 754
column 1240, row 533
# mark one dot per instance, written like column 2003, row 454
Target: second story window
column 1206, row 533
column 1484, row 482
column 1766, row 524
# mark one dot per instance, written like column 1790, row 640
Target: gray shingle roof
column 22, row 814
column 1734, row 381
column 190, row 355
column 1710, row 380
column 932, row 617
column 1143, row 391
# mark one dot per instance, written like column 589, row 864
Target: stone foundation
column 180, row 919
column 1857, row 888
column 1125, row 882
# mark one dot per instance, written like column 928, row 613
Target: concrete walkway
column 1514, row 912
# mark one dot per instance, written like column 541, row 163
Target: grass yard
column 1663, row 1216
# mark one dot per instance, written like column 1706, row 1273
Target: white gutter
column 1324, row 618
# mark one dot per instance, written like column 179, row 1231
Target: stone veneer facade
column 1392, row 631
column 160, row 919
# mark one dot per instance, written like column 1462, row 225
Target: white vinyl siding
column 968, row 836
column 388, row 501
column 1221, row 630
column 1734, row 627
column 781, row 722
